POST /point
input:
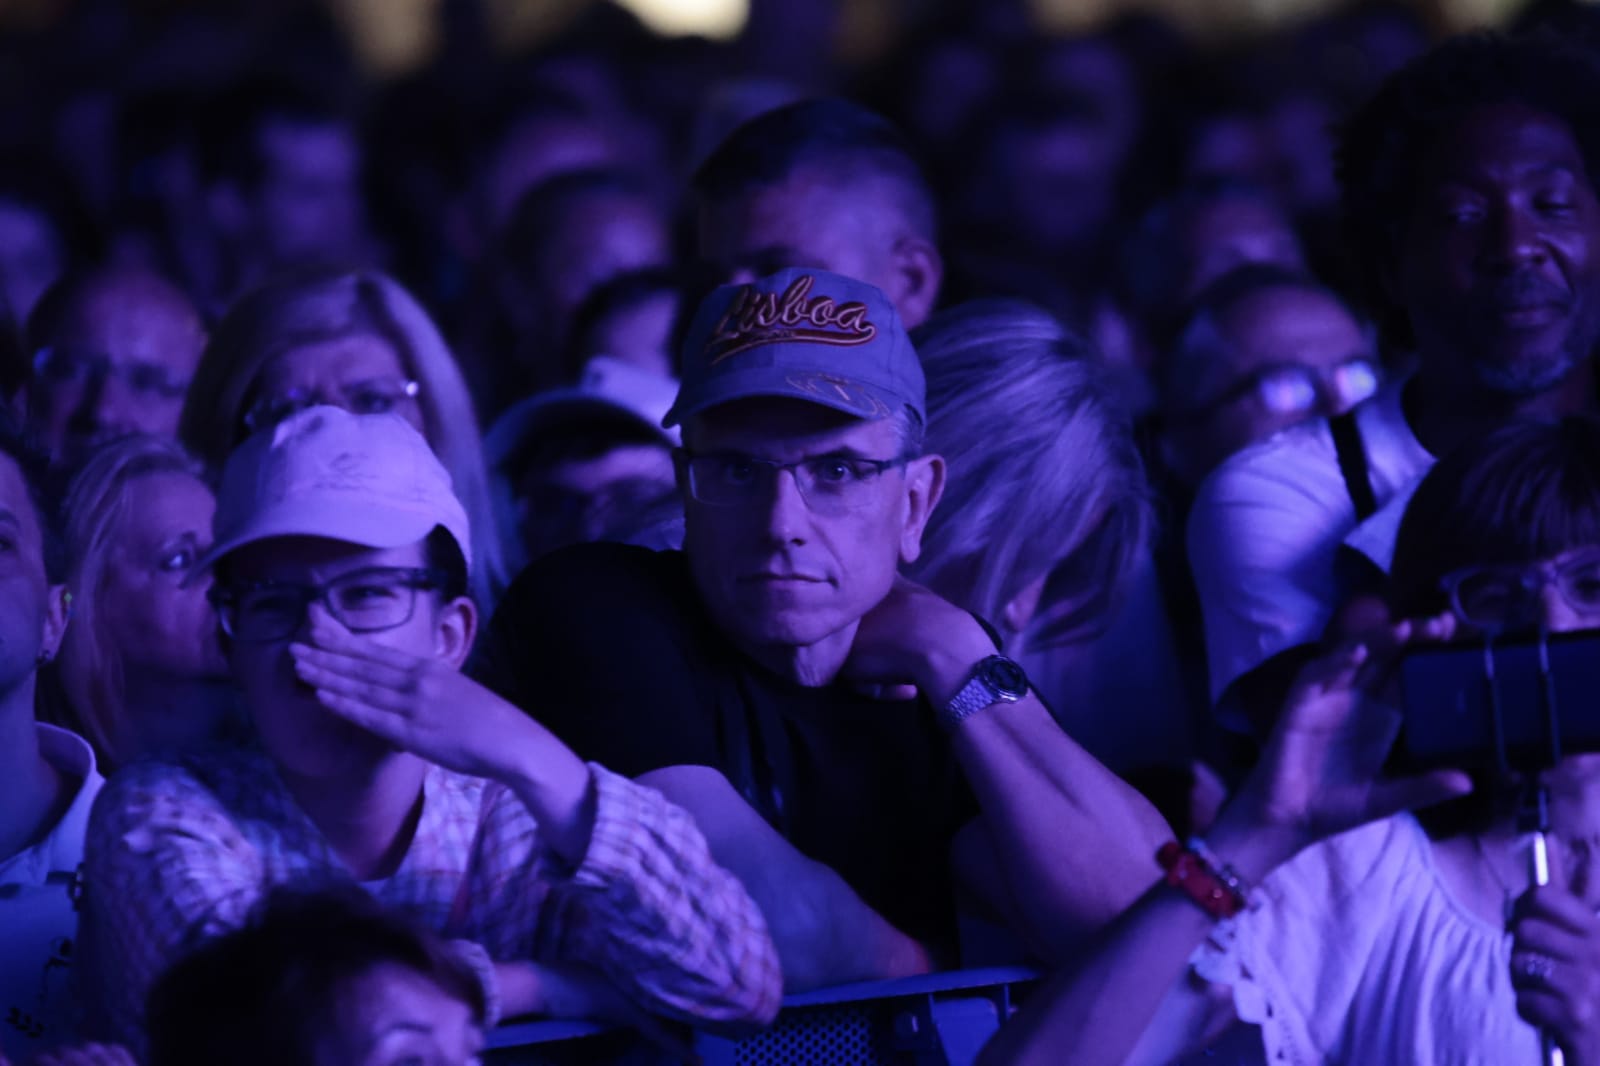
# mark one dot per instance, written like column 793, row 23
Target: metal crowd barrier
column 940, row 1019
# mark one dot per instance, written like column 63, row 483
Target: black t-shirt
column 610, row 647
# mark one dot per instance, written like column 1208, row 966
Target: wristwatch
column 994, row 680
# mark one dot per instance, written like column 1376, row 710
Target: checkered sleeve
column 164, row 869
column 673, row 930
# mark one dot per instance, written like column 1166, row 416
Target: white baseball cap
column 370, row 480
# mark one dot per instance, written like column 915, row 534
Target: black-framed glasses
column 1496, row 597
column 374, row 396
column 830, row 484
column 1294, row 389
column 69, row 366
column 363, row 601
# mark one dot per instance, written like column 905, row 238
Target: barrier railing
column 940, row 1019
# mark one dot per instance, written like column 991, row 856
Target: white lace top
column 1355, row 952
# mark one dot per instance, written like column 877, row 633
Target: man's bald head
column 113, row 350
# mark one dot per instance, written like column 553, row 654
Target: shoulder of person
column 1299, row 462
column 615, row 576
column 154, row 796
column 1366, row 863
column 606, row 645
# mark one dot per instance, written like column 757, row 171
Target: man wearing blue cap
column 780, row 647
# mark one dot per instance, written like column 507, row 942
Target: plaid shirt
column 179, row 852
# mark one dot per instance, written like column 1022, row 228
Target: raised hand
column 429, row 708
column 421, row 705
column 1322, row 772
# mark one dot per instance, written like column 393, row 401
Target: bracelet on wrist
column 1213, row 885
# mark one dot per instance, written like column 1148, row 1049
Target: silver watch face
column 1005, row 677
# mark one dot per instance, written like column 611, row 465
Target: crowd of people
column 641, row 528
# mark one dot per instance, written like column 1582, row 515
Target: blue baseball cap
column 805, row 335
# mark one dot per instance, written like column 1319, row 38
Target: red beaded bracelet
column 1218, row 892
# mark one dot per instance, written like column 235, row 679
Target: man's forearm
column 1075, row 843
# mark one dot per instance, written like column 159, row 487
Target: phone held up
column 1518, row 703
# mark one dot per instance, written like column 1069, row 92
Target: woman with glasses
column 1374, row 935
column 355, row 340
column 141, row 668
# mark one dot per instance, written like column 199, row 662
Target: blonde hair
column 320, row 306
column 98, row 502
column 1044, row 473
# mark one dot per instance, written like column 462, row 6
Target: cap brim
column 852, row 397
column 372, row 526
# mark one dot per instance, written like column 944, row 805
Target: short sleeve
column 1262, row 538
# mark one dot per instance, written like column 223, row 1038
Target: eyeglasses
column 829, row 484
column 1493, row 597
column 363, row 601
column 373, row 397
column 63, row 366
column 1293, row 389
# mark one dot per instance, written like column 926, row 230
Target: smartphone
column 1449, row 708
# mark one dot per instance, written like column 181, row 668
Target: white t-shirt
column 1267, row 525
column 38, row 913
column 1355, row 952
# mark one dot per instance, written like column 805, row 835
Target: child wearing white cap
column 341, row 577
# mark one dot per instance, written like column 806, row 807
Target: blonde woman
column 141, row 666
column 356, row 340
column 1046, row 509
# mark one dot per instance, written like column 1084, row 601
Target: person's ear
column 924, row 485
column 57, row 612
column 455, row 628
column 919, row 271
